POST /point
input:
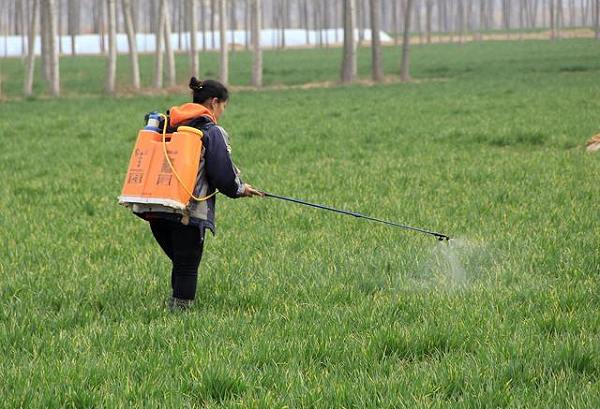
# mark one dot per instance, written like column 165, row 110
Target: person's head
column 210, row 93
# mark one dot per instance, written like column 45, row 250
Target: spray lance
column 439, row 236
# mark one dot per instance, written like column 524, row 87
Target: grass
column 302, row 308
column 84, row 75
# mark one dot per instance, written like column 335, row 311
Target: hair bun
column 195, row 84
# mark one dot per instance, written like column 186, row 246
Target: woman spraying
column 180, row 233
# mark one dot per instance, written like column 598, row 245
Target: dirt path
column 543, row 35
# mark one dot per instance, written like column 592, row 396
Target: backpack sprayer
column 439, row 236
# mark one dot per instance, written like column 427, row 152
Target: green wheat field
column 299, row 307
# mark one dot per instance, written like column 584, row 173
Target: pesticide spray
column 451, row 264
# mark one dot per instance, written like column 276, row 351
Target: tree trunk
column 336, row 18
column 451, row 22
column 560, row 17
column 395, row 20
column 170, row 74
column 428, row 17
column 360, row 12
column 282, row 21
column 306, row 25
column 317, row 24
column 481, row 19
column 213, row 15
column 102, row 26
column 158, row 56
column 460, row 11
column 58, row 11
column 33, row 27
column 180, row 22
column 534, row 13
column 233, row 25
column 326, row 22
column 521, row 18
column 133, row 54
column 203, row 22
column 24, row 16
column 506, row 17
column 404, row 68
column 552, row 20
column 111, row 62
column 572, row 22
column 597, row 18
column 247, row 24
column 224, row 66
column 417, row 13
column 376, row 57
column 44, row 37
column 53, row 49
column 349, row 57
column 257, row 62
column 194, row 67
column 72, row 21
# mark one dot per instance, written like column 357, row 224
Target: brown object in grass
column 593, row 144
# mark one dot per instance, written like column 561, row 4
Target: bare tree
column 257, row 63
column 282, row 20
column 572, row 6
column 306, row 24
column 336, row 12
column 133, row 54
column 169, row 48
column 428, row 17
column 560, row 16
column 53, row 60
column 349, row 57
column 101, row 24
column 111, row 61
column 194, row 68
column 360, row 20
column 224, row 66
column 247, row 23
column 158, row 56
column 33, row 27
column 506, row 17
column 213, row 14
column 376, row 58
column 44, row 39
column 597, row 18
column 404, row 67
column 73, row 22
column 481, row 19
column 552, row 11
column 532, row 12
column 417, row 13
column 233, row 24
column 203, row 23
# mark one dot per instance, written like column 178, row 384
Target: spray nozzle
column 442, row 238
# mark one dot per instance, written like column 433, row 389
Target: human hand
column 250, row 191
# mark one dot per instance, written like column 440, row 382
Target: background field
column 302, row 308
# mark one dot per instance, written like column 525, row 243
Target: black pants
column 183, row 245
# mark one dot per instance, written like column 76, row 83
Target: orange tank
column 150, row 179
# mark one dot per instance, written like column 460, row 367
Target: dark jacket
column 216, row 172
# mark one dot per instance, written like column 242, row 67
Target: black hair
column 207, row 89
